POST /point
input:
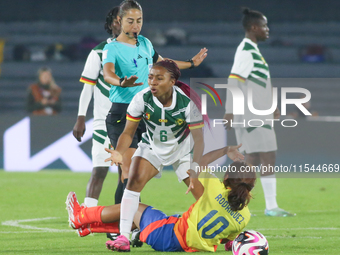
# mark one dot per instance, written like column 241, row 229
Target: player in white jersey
column 250, row 71
column 172, row 120
column 94, row 84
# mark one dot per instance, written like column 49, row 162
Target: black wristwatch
column 192, row 63
column 120, row 81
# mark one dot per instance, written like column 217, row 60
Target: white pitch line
column 274, row 229
column 27, row 232
column 37, row 219
column 16, row 223
column 308, row 211
column 293, row 237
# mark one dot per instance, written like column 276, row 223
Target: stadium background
column 32, row 211
column 294, row 26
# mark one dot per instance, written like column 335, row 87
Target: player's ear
column 173, row 81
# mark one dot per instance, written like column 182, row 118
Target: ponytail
column 239, row 197
column 194, row 97
column 240, row 183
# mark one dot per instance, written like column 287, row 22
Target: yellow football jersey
column 210, row 219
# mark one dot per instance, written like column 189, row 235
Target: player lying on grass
column 219, row 214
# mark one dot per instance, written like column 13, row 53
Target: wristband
column 195, row 166
column 192, row 63
column 120, row 81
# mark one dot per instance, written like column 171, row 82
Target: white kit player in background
column 250, row 71
column 94, row 84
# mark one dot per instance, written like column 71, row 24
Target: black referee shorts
column 115, row 124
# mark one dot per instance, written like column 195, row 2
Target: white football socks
column 128, row 209
column 269, row 188
column 90, row 202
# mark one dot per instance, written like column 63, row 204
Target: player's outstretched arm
column 197, row 135
column 231, row 151
column 196, row 60
column 124, row 142
column 195, row 187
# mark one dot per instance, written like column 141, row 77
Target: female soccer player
column 94, row 84
column 251, row 71
column 126, row 65
column 220, row 213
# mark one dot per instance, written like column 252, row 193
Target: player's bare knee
column 136, row 183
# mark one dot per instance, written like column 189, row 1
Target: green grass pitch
column 34, row 220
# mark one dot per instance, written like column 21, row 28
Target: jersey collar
column 173, row 103
column 251, row 43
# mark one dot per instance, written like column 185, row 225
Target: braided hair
column 175, row 73
column 112, row 15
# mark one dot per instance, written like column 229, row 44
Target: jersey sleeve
column 109, row 54
column 91, row 69
column 135, row 108
column 84, row 99
column 193, row 116
column 242, row 67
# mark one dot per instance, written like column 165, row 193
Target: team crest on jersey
column 179, row 122
column 147, row 116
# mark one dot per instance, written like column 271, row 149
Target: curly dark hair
column 113, row 13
